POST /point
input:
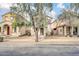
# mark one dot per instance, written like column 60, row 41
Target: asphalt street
column 39, row 50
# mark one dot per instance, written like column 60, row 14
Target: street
column 25, row 49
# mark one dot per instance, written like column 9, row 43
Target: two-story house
column 6, row 25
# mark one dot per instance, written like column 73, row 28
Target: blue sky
column 57, row 8
column 3, row 11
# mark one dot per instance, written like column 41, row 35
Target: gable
column 8, row 17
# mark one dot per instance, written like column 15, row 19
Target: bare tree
column 33, row 9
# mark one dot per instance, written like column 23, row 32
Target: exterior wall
column 17, row 33
column 32, row 32
column 39, row 32
column 74, row 22
column 53, row 25
column 55, row 32
column 23, row 29
column 78, row 31
column 3, row 29
column 65, row 31
column 8, row 17
column 60, row 30
column 48, row 30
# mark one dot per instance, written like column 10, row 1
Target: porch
column 66, row 31
column 71, row 30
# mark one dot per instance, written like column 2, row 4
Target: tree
column 69, row 13
column 74, row 6
column 41, row 12
column 33, row 9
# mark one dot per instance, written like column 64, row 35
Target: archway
column 6, row 29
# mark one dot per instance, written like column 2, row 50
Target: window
column 12, row 17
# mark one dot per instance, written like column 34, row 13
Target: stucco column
column 78, row 30
column 65, row 33
column 71, row 30
column 2, row 29
column 10, row 29
column 45, row 32
column 17, row 29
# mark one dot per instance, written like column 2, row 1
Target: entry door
column 42, row 31
column 75, row 31
column 68, row 30
column 8, row 30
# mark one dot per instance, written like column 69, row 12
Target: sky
column 56, row 9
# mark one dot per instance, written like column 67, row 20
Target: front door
column 75, row 31
column 8, row 30
column 42, row 31
column 68, row 30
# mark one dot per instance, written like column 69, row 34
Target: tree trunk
column 36, row 34
column 35, row 30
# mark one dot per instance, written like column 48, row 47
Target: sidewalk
column 49, row 40
column 61, row 40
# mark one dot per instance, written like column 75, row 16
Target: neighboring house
column 66, row 27
column 6, row 27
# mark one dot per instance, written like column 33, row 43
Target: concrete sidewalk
column 51, row 40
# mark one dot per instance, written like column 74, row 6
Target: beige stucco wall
column 60, row 30
column 32, row 31
column 6, row 20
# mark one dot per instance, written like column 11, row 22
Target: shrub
column 1, row 39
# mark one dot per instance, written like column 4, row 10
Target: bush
column 70, row 35
column 77, row 35
column 28, row 33
column 1, row 39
